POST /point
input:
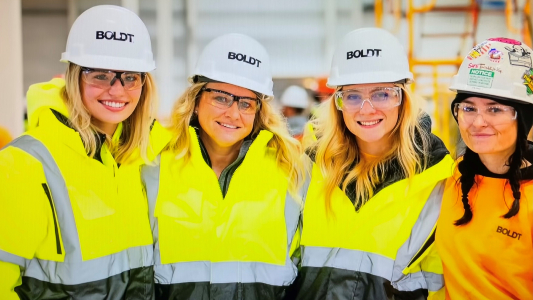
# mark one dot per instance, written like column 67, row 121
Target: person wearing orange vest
column 5, row 137
column 484, row 234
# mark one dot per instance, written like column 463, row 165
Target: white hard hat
column 295, row 96
column 497, row 67
column 236, row 59
column 109, row 37
column 369, row 55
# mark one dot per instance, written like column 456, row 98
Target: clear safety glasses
column 221, row 99
column 492, row 114
column 104, row 79
column 380, row 98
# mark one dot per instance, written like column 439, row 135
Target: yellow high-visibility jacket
column 71, row 226
column 218, row 243
column 384, row 247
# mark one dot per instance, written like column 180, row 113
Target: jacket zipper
column 47, row 192
column 426, row 245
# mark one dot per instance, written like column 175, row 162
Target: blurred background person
column 295, row 107
column 5, row 137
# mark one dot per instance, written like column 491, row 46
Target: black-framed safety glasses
column 104, row 79
column 222, row 99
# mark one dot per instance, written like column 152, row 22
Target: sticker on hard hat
column 528, row 81
column 242, row 57
column 484, row 67
column 506, row 40
column 518, row 56
column 478, row 50
column 110, row 35
column 361, row 53
column 495, row 55
column 480, row 78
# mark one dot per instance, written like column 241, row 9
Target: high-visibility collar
column 382, row 225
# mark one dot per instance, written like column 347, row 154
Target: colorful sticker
column 506, row 40
column 528, row 81
column 518, row 56
column 480, row 78
column 495, row 55
column 485, row 67
column 479, row 50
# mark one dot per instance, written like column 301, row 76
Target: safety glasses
column 221, row 99
column 104, row 79
column 491, row 114
column 380, row 98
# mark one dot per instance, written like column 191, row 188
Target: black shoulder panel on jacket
column 328, row 283
column 135, row 284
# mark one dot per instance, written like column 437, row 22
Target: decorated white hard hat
column 295, row 96
column 369, row 55
column 236, row 59
column 109, row 37
column 497, row 67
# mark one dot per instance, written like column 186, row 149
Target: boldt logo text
column 117, row 36
column 508, row 232
column 242, row 57
column 362, row 53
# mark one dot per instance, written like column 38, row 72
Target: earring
column 196, row 112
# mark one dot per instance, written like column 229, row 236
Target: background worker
column 74, row 220
column 295, row 105
column 376, row 184
column 5, row 137
column 224, row 196
column 485, row 231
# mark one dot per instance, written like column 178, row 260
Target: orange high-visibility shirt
column 490, row 257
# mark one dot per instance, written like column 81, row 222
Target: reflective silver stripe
column 347, row 259
column 225, row 272
column 56, row 183
column 220, row 272
column 420, row 280
column 73, row 270
column 420, row 232
column 77, row 272
column 10, row 258
column 384, row 267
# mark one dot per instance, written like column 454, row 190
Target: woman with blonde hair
column 74, row 220
column 225, row 196
column 376, row 184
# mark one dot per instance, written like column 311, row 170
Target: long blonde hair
column 287, row 148
column 135, row 129
column 336, row 150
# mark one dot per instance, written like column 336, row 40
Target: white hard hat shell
column 295, row 96
column 369, row 55
column 109, row 37
column 498, row 67
column 239, row 60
